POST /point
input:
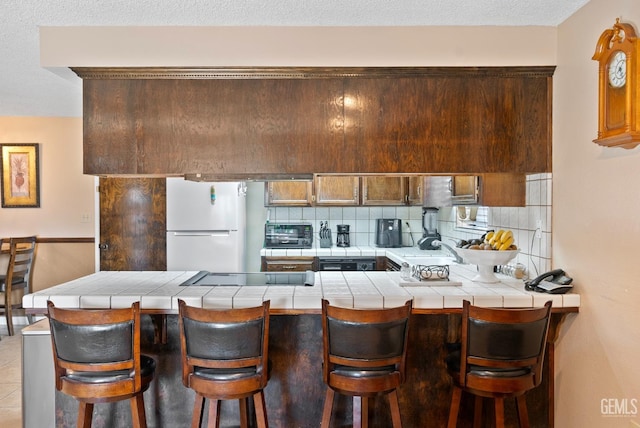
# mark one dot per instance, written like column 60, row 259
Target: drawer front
column 288, row 265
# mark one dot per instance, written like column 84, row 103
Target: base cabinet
column 38, row 377
column 289, row 264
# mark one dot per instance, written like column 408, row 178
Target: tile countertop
column 159, row 292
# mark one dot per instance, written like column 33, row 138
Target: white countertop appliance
column 206, row 225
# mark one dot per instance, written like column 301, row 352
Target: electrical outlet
column 539, row 229
column 85, row 218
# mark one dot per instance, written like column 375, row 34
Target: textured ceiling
column 26, row 89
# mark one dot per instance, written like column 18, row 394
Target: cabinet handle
column 289, row 267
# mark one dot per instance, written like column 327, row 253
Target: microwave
column 288, row 235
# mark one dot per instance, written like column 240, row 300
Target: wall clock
column 618, row 87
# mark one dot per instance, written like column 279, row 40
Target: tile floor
column 11, row 375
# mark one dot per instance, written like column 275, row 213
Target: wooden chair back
column 510, row 342
column 365, row 338
column 88, row 344
column 224, row 341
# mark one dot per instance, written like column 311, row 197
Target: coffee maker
column 389, row 232
column 430, row 229
column 343, row 235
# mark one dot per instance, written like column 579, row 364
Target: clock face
column 618, row 70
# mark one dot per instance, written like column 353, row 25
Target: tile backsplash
column 531, row 225
column 527, row 223
column 362, row 221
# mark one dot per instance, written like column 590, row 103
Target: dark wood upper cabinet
column 384, row 190
column 290, row 122
column 336, row 190
column 288, row 193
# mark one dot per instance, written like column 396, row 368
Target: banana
column 505, row 236
column 488, row 236
column 496, row 238
column 506, row 244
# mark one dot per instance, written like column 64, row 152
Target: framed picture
column 20, row 176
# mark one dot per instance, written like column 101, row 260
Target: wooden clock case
column 618, row 109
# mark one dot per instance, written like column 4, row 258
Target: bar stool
column 224, row 357
column 96, row 355
column 501, row 356
column 364, row 355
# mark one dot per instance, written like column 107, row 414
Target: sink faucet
column 451, row 250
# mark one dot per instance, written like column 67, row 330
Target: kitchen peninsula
column 296, row 337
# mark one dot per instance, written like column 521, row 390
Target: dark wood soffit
column 303, row 72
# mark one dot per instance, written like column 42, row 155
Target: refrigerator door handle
column 203, row 233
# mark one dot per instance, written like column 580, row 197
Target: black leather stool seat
column 225, row 374
column 358, row 372
column 147, row 368
column 453, row 365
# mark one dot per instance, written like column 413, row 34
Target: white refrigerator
column 206, row 225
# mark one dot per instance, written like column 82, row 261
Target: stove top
column 251, row 278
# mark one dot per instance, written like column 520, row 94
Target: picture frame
column 20, row 175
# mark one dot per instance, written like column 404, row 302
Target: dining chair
column 19, row 276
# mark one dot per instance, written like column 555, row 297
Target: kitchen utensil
column 430, row 228
column 343, row 235
column 325, row 235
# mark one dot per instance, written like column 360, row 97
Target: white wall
column 66, row 199
column 65, row 193
column 596, row 229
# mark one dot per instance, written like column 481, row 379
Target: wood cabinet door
column 503, row 190
column 415, row 190
column 133, row 224
column 464, row 189
column 288, row 193
column 384, row 190
column 337, row 190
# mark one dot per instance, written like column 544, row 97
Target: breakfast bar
column 295, row 392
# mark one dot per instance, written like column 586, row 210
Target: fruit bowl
column 486, row 260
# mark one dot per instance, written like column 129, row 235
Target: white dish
column 486, row 260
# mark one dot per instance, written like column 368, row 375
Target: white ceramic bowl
column 486, row 260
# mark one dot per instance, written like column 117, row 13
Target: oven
column 288, row 235
column 346, row 263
